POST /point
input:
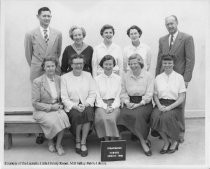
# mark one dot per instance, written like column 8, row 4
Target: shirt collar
column 175, row 35
column 50, row 80
column 104, row 46
column 135, row 47
column 42, row 29
column 169, row 75
column 138, row 77
column 105, row 76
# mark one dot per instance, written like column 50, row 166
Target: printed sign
column 113, row 150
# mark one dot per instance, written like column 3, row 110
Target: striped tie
column 46, row 38
column 171, row 41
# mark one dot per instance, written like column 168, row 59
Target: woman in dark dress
column 78, row 96
column 77, row 34
column 136, row 98
column 169, row 94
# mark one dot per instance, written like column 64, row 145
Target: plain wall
column 20, row 17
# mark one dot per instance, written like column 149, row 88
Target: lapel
column 39, row 38
column 46, row 85
column 176, row 43
column 166, row 44
column 57, row 85
column 51, row 41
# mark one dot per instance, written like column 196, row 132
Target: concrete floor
column 190, row 153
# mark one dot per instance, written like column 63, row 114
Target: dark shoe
column 55, row 139
column 148, row 153
column 78, row 150
column 154, row 133
column 170, row 151
column 40, row 139
column 148, row 142
column 134, row 137
column 84, row 153
column 162, row 151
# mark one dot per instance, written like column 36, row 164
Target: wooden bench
column 22, row 124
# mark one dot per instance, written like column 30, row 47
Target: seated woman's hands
column 130, row 105
column 164, row 108
column 109, row 109
column 80, row 107
column 86, row 104
column 56, row 106
column 168, row 108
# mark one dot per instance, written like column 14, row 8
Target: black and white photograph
column 104, row 84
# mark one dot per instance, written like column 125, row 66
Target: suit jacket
column 183, row 49
column 36, row 50
column 41, row 94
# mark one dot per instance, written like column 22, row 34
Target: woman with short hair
column 136, row 98
column 77, row 34
column 107, row 100
column 169, row 94
column 107, row 47
column 78, row 96
column 136, row 46
column 46, row 101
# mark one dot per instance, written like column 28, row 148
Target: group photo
column 83, row 74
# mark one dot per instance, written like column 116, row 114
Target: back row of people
column 53, row 43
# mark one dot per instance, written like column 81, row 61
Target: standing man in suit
column 182, row 46
column 40, row 43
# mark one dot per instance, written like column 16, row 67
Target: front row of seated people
column 108, row 103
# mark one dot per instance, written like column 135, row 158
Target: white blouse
column 169, row 86
column 77, row 88
column 53, row 90
column 143, row 50
column 143, row 85
column 100, row 51
column 108, row 87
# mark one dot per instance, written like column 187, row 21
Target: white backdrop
column 20, row 17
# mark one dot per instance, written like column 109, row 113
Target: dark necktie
column 46, row 38
column 171, row 41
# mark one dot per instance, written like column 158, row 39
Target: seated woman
column 136, row 95
column 107, row 47
column 78, row 95
column 48, row 108
column 107, row 100
column 77, row 34
column 168, row 95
